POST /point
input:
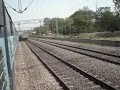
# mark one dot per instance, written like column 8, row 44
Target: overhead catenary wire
column 11, row 6
column 77, row 5
column 28, row 5
column 20, row 6
column 33, row 21
column 34, row 8
column 38, row 7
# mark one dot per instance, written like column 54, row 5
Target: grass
column 101, row 36
column 94, row 36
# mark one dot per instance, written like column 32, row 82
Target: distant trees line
column 84, row 21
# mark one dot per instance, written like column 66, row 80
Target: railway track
column 108, row 57
column 68, row 74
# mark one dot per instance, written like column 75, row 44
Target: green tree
column 106, row 20
column 36, row 29
column 83, row 20
column 62, row 25
column 117, row 6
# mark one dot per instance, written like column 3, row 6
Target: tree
column 117, row 6
column 62, row 23
column 106, row 20
column 36, row 29
column 52, row 25
column 83, row 20
column 40, row 30
column 46, row 21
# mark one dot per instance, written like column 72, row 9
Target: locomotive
column 8, row 44
column 23, row 36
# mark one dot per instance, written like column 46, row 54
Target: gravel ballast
column 70, row 77
column 30, row 74
column 103, row 70
column 104, row 49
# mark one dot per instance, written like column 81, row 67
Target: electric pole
column 56, row 28
column 40, row 27
column 96, row 5
column 70, row 28
column 52, row 31
column 19, row 26
column 70, row 23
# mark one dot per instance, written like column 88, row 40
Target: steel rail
column 63, row 85
column 83, row 49
column 83, row 53
column 103, row 84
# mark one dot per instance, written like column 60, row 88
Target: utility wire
column 20, row 6
column 28, row 6
column 30, row 3
column 34, row 8
column 38, row 7
column 77, row 5
column 11, row 7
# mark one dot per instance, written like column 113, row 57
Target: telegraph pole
column 40, row 26
column 70, row 29
column 52, row 31
column 56, row 27
column 96, row 5
column 19, row 26
column 70, row 23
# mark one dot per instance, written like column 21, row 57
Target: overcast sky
column 40, row 9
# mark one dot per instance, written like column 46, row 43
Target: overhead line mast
column 97, row 1
column 19, row 5
column 33, row 21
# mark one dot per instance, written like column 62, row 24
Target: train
column 8, row 45
column 23, row 36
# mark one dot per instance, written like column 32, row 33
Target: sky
column 41, row 9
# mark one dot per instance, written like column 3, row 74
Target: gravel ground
column 30, row 74
column 106, row 49
column 98, row 55
column 103, row 70
column 73, row 79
